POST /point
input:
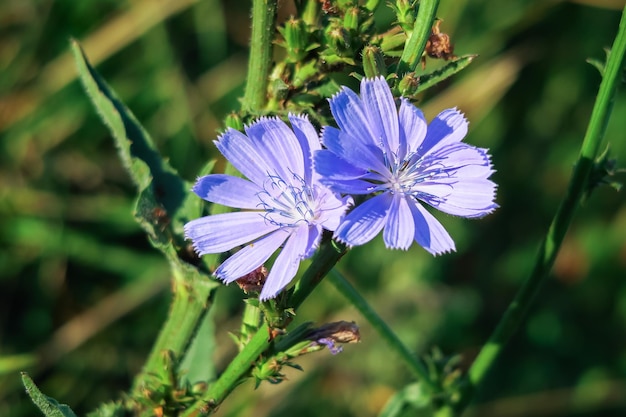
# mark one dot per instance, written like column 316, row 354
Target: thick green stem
column 415, row 366
column 263, row 23
column 233, row 375
column 548, row 250
column 191, row 302
column 414, row 47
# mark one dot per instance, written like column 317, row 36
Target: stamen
column 287, row 205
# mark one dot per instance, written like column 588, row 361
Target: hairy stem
column 549, row 248
column 394, row 342
column 192, row 298
column 415, row 44
column 263, row 22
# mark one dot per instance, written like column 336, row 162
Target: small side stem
column 414, row 47
column 415, row 366
column 263, row 23
column 233, row 375
column 549, row 248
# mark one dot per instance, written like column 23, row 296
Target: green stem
column 415, row 366
column 415, row 44
column 250, row 321
column 192, row 299
column 322, row 263
column 549, row 248
column 263, row 22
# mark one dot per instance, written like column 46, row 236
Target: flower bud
column 351, row 19
column 296, row 36
column 405, row 13
column 337, row 38
column 373, row 62
column 408, row 84
column 233, row 121
column 393, row 43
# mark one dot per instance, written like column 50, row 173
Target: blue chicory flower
column 283, row 202
column 402, row 161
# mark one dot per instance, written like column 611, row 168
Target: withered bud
column 336, row 332
column 438, row 44
column 253, row 281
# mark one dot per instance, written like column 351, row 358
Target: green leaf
column 452, row 67
column 48, row 406
column 165, row 202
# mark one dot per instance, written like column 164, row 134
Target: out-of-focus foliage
column 84, row 294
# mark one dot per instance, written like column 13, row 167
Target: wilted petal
column 218, row 188
column 250, row 257
column 222, row 232
column 286, row 265
column 364, row 222
column 429, row 233
column 399, row 227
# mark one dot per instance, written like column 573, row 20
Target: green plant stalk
column 263, row 22
column 549, row 248
column 415, row 44
column 251, row 320
column 191, row 303
column 415, row 366
column 236, row 371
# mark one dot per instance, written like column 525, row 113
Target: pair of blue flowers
column 296, row 188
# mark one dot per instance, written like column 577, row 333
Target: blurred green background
column 82, row 293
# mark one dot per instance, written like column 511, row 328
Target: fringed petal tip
column 440, row 252
column 394, row 247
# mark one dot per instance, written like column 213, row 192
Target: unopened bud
column 408, row 84
column 337, row 38
column 393, row 43
column 405, row 13
column 373, row 62
column 351, row 19
column 296, row 37
column 233, row 121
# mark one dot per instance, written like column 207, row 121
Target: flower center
column 405, row 175
column 288, row 204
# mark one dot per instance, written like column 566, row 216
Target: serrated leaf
column 448, row 70
column 165, row 202
column 109, row 410
column 48, row 406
